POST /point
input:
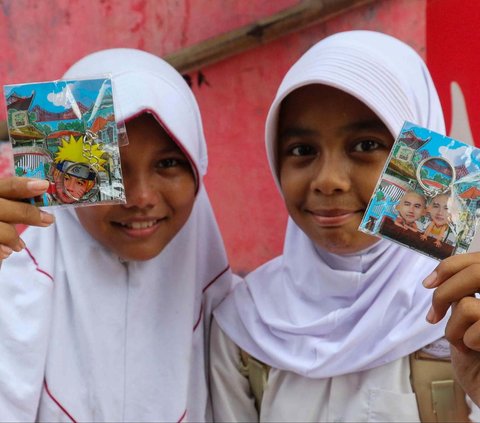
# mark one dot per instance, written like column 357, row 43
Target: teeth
column 139, row 225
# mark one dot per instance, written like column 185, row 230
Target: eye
column 366, row 145
column 167, row 163
column 301, row 150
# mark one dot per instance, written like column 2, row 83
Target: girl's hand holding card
column 457, row 281
column 15, row 211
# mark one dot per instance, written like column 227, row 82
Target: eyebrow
column 171, row 148
column 362, row 125
column 295, row 132
column 372, row 124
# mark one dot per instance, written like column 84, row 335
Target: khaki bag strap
column 439, row 397
column 257, row 374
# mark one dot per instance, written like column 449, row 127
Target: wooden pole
column 306, row 13
column 3, row 131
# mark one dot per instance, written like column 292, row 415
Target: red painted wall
column 453, row 47
column 39, row 40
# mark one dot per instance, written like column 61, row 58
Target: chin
column 340, row 249
column 346, row 245
column 134, row 257
column 138, row 255
column 139, row 250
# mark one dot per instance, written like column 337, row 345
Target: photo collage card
column 428, row 196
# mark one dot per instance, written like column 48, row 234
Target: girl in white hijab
column 105, row 315
column 338, row 313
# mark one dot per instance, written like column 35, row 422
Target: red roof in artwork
column 17, row 102
column 411, row 140
column 58, row 134
column 433, row 183
column 100, row 123
column 472, row 192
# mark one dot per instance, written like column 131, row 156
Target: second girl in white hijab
column 338, row 313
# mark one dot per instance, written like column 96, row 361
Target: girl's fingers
column 464, row 283
column 472, row 337
column 12, row 210
column 9, row 239
column 19, row 212
column 5, row 251
column 448, row 267
column 454, row 278
column 464, row 319
column 16, row 188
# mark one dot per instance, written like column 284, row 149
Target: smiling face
column 160, row 191
column 411, row 207
column 438, row 209
column 331, row 150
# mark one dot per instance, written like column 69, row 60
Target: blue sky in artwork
column 456, row 152
column 56, row 96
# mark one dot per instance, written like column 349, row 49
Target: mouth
column 138, row 228
column 333, row 217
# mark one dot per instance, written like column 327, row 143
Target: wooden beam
column 3, row 131
column 306, row 13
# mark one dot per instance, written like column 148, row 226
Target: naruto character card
column 428, row 196
column 66, row 132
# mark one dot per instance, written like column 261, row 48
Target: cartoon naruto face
column 72, row 181
column 73, row 175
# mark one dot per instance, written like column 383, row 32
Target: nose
column 330, row 175
column 141, row 191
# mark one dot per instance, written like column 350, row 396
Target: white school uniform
column 380, row 394
column 336, row 329
column 86, row 336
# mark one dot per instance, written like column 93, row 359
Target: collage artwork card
column 66, row 132
column 428, row 194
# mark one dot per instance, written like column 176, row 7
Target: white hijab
column 320, row 314
column 111, row 340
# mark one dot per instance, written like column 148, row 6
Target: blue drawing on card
column 66, row 132
column 428, row 196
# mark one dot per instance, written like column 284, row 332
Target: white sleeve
column 231, row 397
column 25, row 313
column 474, row 415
